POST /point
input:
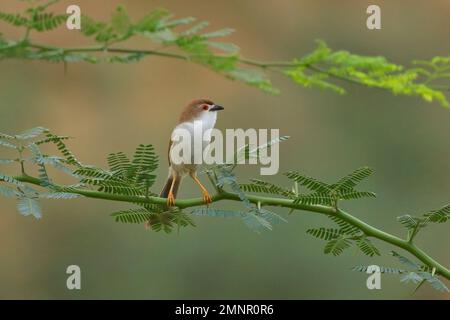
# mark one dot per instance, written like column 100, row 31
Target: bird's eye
column 205, row 107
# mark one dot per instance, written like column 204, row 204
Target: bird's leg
column 206, row 197
column 170, row 196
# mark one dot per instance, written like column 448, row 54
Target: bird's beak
column 216, row 108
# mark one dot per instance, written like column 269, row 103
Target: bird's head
column 200, row 109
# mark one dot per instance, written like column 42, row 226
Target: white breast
column 206, row 121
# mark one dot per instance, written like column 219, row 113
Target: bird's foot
column 206, row 198
column 170, row 200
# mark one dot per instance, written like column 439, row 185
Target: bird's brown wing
column 168, row 151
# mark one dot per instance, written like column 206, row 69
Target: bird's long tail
column 166, row 189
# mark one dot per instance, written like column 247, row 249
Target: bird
column 199, row 111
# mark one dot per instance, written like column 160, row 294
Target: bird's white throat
column 206, row 121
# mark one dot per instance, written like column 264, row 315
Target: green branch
column 250, row 62
column 369, row 230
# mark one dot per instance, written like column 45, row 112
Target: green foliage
column 405, row 261
column 130, row 179
column 438, row 216
column 255, row 217
column 256, row 220
column 211, row 212
column 337, row 246
column 8, row 179
column 159, row 27
column 324, row 233
column 186, row 39
column 62, row 147
column 386, row 270
column 30, row 141
column 7, row 144
column 415, row 273
column 14, row 19
column 419, row 274
column 415, row 224
column 350, row 181
column 139, row 215
column 329, row 194
column 144, row 163
column 60, row 195
column 125, row 178
column 46, row 21
column 34, row 19
column 8, row 192
column 25, row 135
column 344, row 226
column 320, row 67
column 29, row 206
column 225, row 176
column 309, row 183
column 340, row 239
column 259, row 186
column 157, row 221
column 367, row 247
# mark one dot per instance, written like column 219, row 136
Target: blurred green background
column 111, row 108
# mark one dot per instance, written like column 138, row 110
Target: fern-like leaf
column 434, row 281
column 337, row 246
column 119, row 163
column 259, row 186
column 144, row 162
column 6, row 161
column 47, row 21
column 60, row 195
column 387, row 270
column 31, row 133
column 411, row 277
column 315, row 199
column 7, row 144
column 132, row 216
column 439, row 216
column 39, row 160
column 225, row 176
column 350, row 181
column 216, row 213
column 14, row 19
column 117, row 187
column 409, row 222
column 256, row 222
column 405, row 261
column 308, row 182
column 255, row 152
column 367, row 247
column 29, row 206
column 324, row 233
column 345, row 227
column 9, row 179
column 351, row 194
column 62, row 147
column 271, row 217
column 8, row 192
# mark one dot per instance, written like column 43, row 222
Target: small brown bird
column 201, row 112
